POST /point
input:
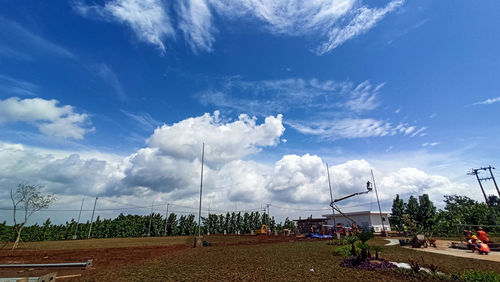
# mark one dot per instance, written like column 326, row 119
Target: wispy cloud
column 313, row 95
column 364, row 19
column 17, row 40
column 144, row 120
column 488, row 101
column 109, row 76
column 147, row 18
column 14, row 86
column 331, row 23
column 349, row 128
column 196, row 24
column 430, row 144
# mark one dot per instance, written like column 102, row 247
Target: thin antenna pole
column 201, row 188
column 166, row 220
column 150, row 219
column 331, row 197
column 379, row 209
column 92, row 219
column 78, row 221
column 494, row 181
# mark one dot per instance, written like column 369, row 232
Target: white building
column 364, row 219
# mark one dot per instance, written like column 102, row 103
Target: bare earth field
column 229, row 258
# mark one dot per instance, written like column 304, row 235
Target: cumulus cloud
column 330, row 22
column 147, row 18
column 225, row 141
column 46, row 115
column 168, row 170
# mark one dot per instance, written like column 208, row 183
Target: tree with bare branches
column 27, row 199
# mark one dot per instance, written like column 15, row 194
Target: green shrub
column 476, row 275
column 344, row 251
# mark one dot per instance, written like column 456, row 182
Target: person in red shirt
column 481, row 235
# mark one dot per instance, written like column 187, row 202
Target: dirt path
column 442, row 247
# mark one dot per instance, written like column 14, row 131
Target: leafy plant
column 345, row 251
column 364, row 236
column 414, row 265
column 377, row 250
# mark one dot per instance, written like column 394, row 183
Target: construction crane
column 369, row 188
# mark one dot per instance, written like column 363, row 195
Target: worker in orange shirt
column 481, row 235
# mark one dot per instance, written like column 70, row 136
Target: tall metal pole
column 331, row 197
column 150, row 219
column 201, row 188
column 481, row 185
column 166, row 219
column 78, row 221
column 378, row 202
column 494, row 181
column 92, row 219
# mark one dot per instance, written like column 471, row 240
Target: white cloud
column 147, row 18
column 346, row 128
column 313, row 95
column 488, row 101
column 226, row 141
column 168, row 170
column 364, row 19
column 16, row 86
column 431, row 144
column 109, row 76
column 17, row 40
column 196, row 24
column 332, row 22
column 46, row 115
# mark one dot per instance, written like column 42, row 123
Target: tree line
column 146, row 225
column 419, row 215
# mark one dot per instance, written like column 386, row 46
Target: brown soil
column 106, row 259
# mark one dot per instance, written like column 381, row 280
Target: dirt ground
column 442, row 247
column 106, row 259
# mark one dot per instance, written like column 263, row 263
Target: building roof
column 356, row 213
column 311, row 219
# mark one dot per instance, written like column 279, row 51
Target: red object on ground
column 483, row 248
column 481, row 235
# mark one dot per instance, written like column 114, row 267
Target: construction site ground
column 442, row 247
column 256, row 258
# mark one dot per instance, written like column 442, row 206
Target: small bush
column 476, row 275
column 344, row 251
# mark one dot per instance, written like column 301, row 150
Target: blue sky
column 408, row 89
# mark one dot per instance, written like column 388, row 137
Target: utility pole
column 78, row 221
column 268, row 217
column 201, row 188
column 166, row 219
column 379, row 209
column 475, row 171
column 92, row 219
column 150, row 219
column 493, row 178
column 331, row 197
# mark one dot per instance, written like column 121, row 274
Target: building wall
column 365, row 220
